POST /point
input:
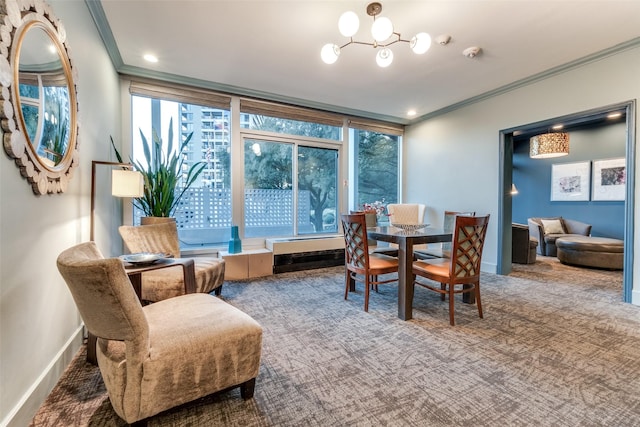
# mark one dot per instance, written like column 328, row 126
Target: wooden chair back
column 356, row 244
column 448, row 225
column 360, row 265
column 468, row 242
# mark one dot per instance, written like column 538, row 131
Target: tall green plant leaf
column 162, row 173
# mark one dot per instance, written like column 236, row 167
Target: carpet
column 556, row 347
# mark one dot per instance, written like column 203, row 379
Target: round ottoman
column 599, row 252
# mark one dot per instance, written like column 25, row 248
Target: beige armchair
column 548, row 230
column 156, row 357
column 168, row 283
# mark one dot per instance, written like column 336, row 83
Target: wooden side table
column 135, row 276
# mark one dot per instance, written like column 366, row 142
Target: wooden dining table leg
column 468, row 297
column 405, row 279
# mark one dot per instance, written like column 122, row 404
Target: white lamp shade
column 384, row 58
column 126, row 183
column 382, row 29
column 330, row 53
column 348, row 24
column 420, row 43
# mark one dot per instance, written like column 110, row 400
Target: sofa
column 523, row 246
column 548, row 230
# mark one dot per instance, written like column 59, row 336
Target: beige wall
column 40, row 328
column 451, row 162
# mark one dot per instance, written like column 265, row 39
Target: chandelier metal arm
column 399, row 39
column 376, row 44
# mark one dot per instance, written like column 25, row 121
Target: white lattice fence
column 204, row 208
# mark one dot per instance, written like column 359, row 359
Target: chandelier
column 383, row 36
column 547, row 145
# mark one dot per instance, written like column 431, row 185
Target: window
column 204, row 214
column 377, row 167
column 317, row 190
column 279, row 202
column 290, row 158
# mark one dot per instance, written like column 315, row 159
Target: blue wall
column 532, row 177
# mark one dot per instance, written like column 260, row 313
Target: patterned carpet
column 557, row 347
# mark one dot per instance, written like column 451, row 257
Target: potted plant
column 162, row 172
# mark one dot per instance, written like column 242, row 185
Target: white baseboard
column 22, row 414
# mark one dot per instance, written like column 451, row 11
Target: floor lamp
column 125, row 182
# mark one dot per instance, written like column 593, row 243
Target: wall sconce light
column 124, row 183
column 547, row 145
column 514, row 190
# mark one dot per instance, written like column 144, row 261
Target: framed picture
column 609, row 179
column 570, row 182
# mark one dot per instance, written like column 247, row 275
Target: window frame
column 162, row 90
column 237, row 162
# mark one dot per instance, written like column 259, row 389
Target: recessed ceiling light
column 614, row 115
column 411, row 113
column 150, row 58
column 557, row 127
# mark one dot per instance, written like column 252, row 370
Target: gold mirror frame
column 18, row 19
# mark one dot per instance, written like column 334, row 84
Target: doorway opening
column 577, row 121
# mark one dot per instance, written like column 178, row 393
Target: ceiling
column 271, row 49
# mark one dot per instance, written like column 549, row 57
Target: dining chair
column 360, row 264
column 461, row 272
column 162, row 355
column 442, row 250
column 162, row 284
column 386, row 249
column 406, row 213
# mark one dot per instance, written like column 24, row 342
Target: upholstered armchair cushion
column 168, row 283
column 552, row 226
column 165, row 354
column 576, row 227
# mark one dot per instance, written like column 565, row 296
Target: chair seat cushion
column 382, row 262
column 551, row 238
column 435, row 267
column 193, row 339
column 158, row 285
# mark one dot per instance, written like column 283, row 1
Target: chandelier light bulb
column 382, row 29
column 330, row 53
column 420, row 43
column 348, row 24
column 384, row 58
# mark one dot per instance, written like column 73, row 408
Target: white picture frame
column 609, row 177
column 570, row 182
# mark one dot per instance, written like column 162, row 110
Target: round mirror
column 41, row 106
column 43, row 97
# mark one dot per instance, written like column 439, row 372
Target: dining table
column 406, row 241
